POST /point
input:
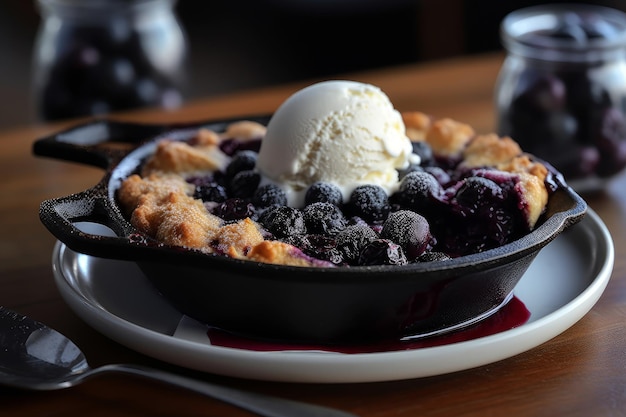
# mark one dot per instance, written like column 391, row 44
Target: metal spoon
column 34, row 356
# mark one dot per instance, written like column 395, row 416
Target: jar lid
column 578, row 32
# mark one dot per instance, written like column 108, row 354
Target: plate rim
column 311, row 367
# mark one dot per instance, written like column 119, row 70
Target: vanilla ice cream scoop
column 343, row 132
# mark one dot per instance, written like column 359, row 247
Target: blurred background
column 241, row 44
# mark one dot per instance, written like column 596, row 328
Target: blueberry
column 234, row 209
column 319, row 247
column 562, row 128
column 442, row 177
column 352, row 239
column 242, row 161
column 232, row 146
column 382, row 252
column 489, row 215
column 576, row 161
column 210, row 192
column 268, row 195
column 424, row 151
column 586, row 91
column 283, row 221
column 324, row 192
column 523, row 121
column 409, row 230
column 541, row 94
column 477, row 192
column 611, row 142
column 244, row 184
column 200, row 180
column 370, row 202
column 323, row 218
column 417, row 190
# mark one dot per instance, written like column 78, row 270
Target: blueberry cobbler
column 328, row 198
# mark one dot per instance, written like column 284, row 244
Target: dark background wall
column 252, row 43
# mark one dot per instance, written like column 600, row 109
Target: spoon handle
column 260, row 404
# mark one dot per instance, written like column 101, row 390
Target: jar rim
column 525, row 30
column 104, row 6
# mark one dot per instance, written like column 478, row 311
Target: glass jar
column 97, row 56
column 561, row 92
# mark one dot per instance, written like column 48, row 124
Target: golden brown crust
column 448, row 137
column 179, row 157
column 522, row 163
column 184, row 221
column 532, row 184
column 206, row 137
column 417, row 124
column 158, row 186
column 275, row 252
column 536, row 196
column 245, row 130
column 489, row 150
column 237, row 239
column 159, row 205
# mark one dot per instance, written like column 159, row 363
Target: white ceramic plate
column 560, row 287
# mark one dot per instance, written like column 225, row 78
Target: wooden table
column 580, row 372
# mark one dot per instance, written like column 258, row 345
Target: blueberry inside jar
column 93, row 57
column 561, row 92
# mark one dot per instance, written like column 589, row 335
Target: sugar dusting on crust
column 489, row 150
column 448, row 137
column 237, row 239
column 162, row 208
column 177, row 156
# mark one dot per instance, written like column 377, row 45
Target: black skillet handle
column 63, row 216
column 97, row 143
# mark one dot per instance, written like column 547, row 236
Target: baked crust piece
column 161, row 207
column 489, row 150
column 416, row 124
column 448, row 137
column 237, row 239
column 531, row 185
column 244, row 130
column 180, row 157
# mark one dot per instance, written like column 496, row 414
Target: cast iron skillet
column 296, row 304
